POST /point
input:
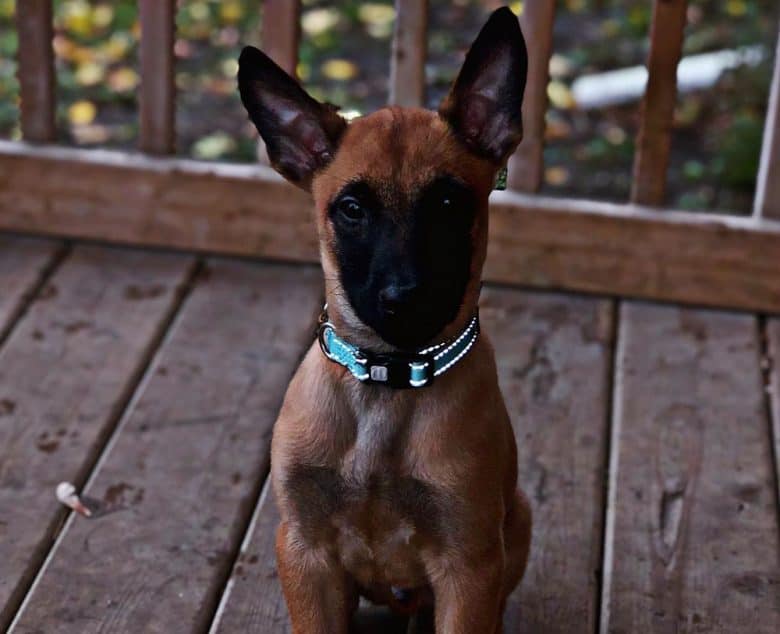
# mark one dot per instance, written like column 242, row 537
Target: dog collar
column 397, row 369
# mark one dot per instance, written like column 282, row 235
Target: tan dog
column 405, row 496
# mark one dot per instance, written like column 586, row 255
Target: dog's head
column 401, row 194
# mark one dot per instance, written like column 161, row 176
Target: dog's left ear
column 483, row 106
column 300, row 133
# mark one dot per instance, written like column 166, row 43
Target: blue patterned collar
column 396, row 369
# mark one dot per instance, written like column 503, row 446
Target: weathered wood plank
column 692, row 526
column 65, row 373
column 129, row 198
column 409, row 51
column 634, row 251
column 767, row 201
column 158, row 87
column 23, row 265
column 526, row 167
column 281, row 32
column 186, row 464
column 653, row 143
column 248, row 210
column 553, row 361
column 36, row 69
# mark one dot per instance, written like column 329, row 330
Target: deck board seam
column 612, row 440
column 768, row 367
column 113, row 428
column 29, row 296
column 247, row 524
column 608, row 448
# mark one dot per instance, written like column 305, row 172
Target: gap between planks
column 107, row 430
column 693, row 506
column 43, row 267
column 770, row 333
column 258, row 283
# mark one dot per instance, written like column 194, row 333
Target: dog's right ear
column 300, row 133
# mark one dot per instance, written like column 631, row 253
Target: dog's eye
column 351, row 210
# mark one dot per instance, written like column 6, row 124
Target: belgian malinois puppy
column 393, row 459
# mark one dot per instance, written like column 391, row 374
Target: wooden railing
column 632, row 249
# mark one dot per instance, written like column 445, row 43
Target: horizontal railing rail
column 637, row 249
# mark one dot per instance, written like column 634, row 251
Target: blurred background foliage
column 344, row 60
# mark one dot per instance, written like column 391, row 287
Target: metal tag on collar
column 500, row 183
column 398, row 370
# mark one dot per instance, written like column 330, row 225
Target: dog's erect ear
column 483, row 105
column 300, row 133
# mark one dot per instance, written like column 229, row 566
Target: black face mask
column 405, row 271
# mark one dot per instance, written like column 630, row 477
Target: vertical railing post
column 36, row 69
column 282, row 32
column 653, row 144
column 407, row 61
column 767, row 201
column 526, row 167
column 280, row 39
column 158, row 87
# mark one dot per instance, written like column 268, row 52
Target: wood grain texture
column 554, row 363
column 526, row 167
column 553, row 360
column 158, row 88
column 281, row 32
column 653, row 143
column 544, row 242
column 767, row 201
column 692, row 525
column 23, row 264
column 36, row 70
column 65, row 373
column 772, row 368
column 129, row 198
column 634, row 251
column 409, row 51
column 185, row 466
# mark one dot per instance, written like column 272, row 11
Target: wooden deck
column 648, row 442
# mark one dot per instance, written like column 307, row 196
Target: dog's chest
column 378, row 524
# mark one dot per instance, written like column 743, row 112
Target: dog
column 393, row 460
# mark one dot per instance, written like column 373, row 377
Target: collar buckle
column 399, row 370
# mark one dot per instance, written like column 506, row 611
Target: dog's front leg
column 319, row 595
column 468, row 598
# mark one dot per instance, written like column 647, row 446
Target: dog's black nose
column 394, row 298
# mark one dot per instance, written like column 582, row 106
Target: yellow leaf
column 316, row 21
column 517, row 7
column 736, row 8
column 229, row 67
column 339, row 69
column 90, row 73
column 230, row 11
column 82, row 113
column 116, row 47
column 378, row 18
column 123, row 79
column 615, row 135
column 559, row 95
column 102, row 15
column 556, row 175
column 199, row 11
column 6, row 8
column 78, row 17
